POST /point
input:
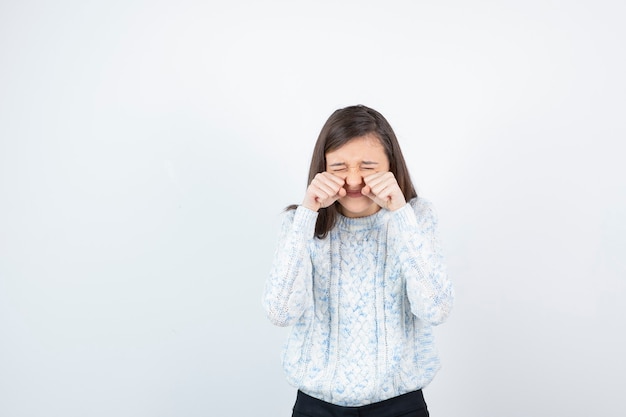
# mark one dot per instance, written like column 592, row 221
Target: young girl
column 359, row 274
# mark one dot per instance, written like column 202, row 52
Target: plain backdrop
column 147, row 149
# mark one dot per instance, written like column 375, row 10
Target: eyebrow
column 337, row 164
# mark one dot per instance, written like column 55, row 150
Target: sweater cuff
column 304, row 220
column 405, row 217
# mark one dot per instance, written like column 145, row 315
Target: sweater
column 362, row 303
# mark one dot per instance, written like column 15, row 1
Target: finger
column 376, row 199
column 330, row 180
column 373, row 197
column 326, row 191
column 332, row 177
column 388, row 183
column 372, row 188
column 384, row 194
column 378, row 178
column 390, row 195
column 318, row 194
column 322, row 190
column 378, row 186
column 375, row 183
column 335, row 183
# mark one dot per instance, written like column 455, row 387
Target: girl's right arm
column 288, row 290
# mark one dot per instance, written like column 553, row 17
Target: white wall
column 147, row 148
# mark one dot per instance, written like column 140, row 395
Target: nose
column 354, row 178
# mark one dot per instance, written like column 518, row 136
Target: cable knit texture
column 362, row 303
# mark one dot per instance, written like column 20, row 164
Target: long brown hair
column 340, row 128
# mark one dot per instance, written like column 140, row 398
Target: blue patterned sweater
column 362, row 303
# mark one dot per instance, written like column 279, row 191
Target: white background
column 148, row 148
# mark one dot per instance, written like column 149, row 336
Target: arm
column 416, row 241
column 288, row 290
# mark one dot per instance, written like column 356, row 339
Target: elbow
column 279, row 320
column 283, row 311
column 434, row 317
column 439, row 317
column 438, row 310
column 278, row 317
column 444, row 308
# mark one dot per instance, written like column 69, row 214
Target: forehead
column 366, row 147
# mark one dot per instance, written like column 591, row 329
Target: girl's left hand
column 383, row 188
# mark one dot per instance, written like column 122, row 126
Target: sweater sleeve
column 428, row 288
column 288, row 290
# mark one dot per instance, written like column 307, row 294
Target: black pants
column 411, row 404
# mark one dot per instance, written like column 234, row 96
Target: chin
column 358, row 208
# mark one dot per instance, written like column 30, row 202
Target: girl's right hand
column 323, row 191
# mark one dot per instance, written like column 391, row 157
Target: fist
column 383, row 188
column 323, row 191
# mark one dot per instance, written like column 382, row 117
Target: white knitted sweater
column 362, row 301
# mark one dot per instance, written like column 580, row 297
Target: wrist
column 313, row 206
column 396, row 206
column 405, row 217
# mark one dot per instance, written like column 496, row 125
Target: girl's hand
column 383, row 188
column 323, row 191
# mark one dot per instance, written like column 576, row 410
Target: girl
column 359, row 274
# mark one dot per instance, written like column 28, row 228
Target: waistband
column 393, row 407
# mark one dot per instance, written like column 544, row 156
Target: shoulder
column 286, row 218
column 288, row 214
column 421, row 206
column 424, row 210
column 299, row 218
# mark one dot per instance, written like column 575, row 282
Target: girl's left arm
column 416, row 242
column 288, row 289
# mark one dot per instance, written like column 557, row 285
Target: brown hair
column 340, row 128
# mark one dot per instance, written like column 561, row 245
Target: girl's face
column 357, row 159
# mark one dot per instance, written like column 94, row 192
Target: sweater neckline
column 356, row 224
